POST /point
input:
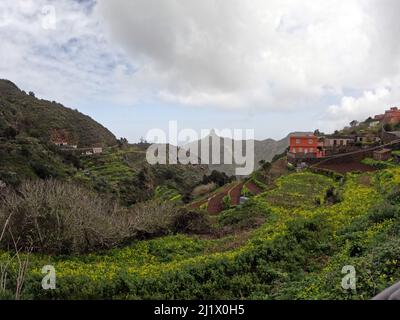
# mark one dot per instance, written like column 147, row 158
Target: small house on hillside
column 373, row 123
column 382, row 155
column 97, row 150
column 391, row 116
column 60, row 143
column 338, row 141
column 368, row 138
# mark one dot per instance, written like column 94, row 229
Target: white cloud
column 370, row 103
column 278, row 55
column 271, row 54
column 71, row 63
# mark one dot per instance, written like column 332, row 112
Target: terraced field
column 298, row 253
column 343, row 168
column 299, row 190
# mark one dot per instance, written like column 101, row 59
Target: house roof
column 301, row 134
column 341, row 137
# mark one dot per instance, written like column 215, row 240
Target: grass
column 299, row 190
column 149, row 264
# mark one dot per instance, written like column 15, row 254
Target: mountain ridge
column 39, row 118
column 265, row 150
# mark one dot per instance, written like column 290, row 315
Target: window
column 300, row 149
column 310, row 141
column 298, row 141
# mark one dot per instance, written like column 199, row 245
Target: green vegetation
column 380, row 164
column 116, row 228
column 299, row 190
column 32, row 117
column 297, row 252
column 61, row 218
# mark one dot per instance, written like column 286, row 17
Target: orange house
column 391, row 116
column 306, row 146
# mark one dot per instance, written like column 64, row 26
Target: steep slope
column 47, row 120
column 29, row 128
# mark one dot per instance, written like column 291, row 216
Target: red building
column 391, row 116
column 307, row 146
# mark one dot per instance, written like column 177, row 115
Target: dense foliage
column 36, row 118
column 62, row 218
column 297, row 253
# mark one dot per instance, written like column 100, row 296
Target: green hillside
column 297, row 253
column 125, row 173
column 115, row 227
column 28, row 126
column 40, row 119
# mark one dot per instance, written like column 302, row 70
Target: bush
column 204, row 189
column 191, row 222
column 61, row 218
column 394, row 196
column 54, row 217
column 10, row 133
column 44, row 171
column 219, row 178
column 383, row 212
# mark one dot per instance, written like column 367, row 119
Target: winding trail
column 235, row 194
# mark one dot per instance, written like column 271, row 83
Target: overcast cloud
column 277, row 55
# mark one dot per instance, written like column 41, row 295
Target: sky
column 275, row 66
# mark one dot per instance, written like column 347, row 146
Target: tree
column 32, row 94
column 388, row 127
column 10, row 133
column 219, row 178
column 266, row 166
column 354, row 123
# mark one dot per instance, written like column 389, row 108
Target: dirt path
column 198, row 204
column 215, row 199
column 344, row 168
column 235, row 194
column 216, row 203
column 253, row 188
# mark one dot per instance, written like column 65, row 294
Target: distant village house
column 97, row 150
column 391, row 116
column 336, row 141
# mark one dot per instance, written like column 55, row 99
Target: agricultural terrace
column 298, row 253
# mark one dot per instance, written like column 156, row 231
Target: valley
column 115, row 227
